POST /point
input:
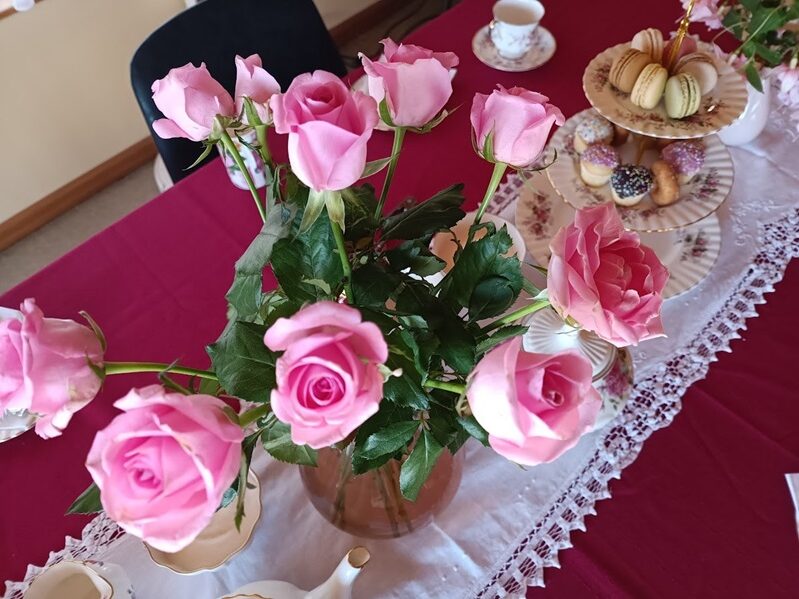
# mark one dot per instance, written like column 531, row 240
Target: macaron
column 687, row 46
column 682, row 96
column 649, row 86
column 702, row 66
column 626, row 67
column 649, row 41
column 591, row 130
column 597, row 164
column 686, row 158
column 630, row 183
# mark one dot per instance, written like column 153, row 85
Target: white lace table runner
column 507, row 524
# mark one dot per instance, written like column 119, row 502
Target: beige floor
column 79, row 224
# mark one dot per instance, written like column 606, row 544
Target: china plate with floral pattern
column 689, row 253
column 540, row 52
column 718, row 109
column 699, row 198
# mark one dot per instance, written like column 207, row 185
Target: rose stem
column 341, row 485
column 263, row 145
column 399, row 135
column 132, row 367
column 233, row 151
column 496, row 177
column 397, row 492
column 246, row 418
column 338, row 235
column 513, row 316
column 378, row 475
column 444, row 385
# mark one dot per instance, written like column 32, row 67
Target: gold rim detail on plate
column 689, row 253
column 698, row 199
column 718, row 109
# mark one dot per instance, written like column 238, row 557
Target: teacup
column 76, row 580
column 512, row 29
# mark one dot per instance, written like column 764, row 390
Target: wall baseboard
column 75, row 192
column 365, row 20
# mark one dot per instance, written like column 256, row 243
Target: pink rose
column 190, row 99
column 44, row 367
column 328, row 128
column 328, row 381
column 414, row 81
column 707, row 12
column 255, row 83
column 533, row 406
column 601, row 276
column 163, row 465
column 520, row 121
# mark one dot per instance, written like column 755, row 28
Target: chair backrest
column 289, row 35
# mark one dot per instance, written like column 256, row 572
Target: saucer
column 541, row 51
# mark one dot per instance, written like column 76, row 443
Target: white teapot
column 338, row 586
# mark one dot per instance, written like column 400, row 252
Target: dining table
column 703, row 510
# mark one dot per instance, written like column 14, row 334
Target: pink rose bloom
column 190, row 99
column 601, row 276
column 44, row 367
column 163, row 465
column 707, row 12
column 520, row 121
column 533, row 406
column 255, row 83
column 328, row 381
column 328, row 128
column 414, row 81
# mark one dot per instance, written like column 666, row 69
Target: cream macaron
column 649, row 86
column 703, row 68
column 649, row 41
column 682, row 96
column 626, row 68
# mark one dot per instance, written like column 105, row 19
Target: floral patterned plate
column 718, row 109
column 540, row 52
column 689, row 253
column 702, row 196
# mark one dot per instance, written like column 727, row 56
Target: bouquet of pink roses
column 356, row 347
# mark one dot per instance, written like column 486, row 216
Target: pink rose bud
column 533, row 406
column 328, row 128
column 253, row 82
column 163, row 465
column 44, row 367
column 190, row 100
column 328, row 380
column 601, row 276
column 519, row 122
column 414, row 81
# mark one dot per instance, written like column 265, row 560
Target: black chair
column 289, row 35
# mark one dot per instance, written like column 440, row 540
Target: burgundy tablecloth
column 703, row 512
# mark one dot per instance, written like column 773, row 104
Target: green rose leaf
column 277, row 442
column 307, row 258
column 415, row 256
column 244, row 365
column 502, row 335
column 388, row 414
column 388, row 440
column 753, row 76
column 438, row 213
column 244, row 296
column 360, row 204
column 491, row 296
column 88, row 502
column 372, row 285
column 417, row 467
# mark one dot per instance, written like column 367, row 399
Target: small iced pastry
column 686, row 159
column 629, row 183
column 592, row 130
column 687, row 47
column 649, row 41
column 665, row 188
column 597, row 164
column 649, row 86
column 682, row 96
column 625, row 69
column 702, row 67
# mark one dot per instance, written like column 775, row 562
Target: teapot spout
column 339, row 585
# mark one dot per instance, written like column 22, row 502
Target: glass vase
column 371, row 504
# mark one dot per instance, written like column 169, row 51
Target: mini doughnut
column 665, row 189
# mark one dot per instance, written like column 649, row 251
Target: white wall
column 65, row 98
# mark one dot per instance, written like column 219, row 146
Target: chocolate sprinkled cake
column 628, row 180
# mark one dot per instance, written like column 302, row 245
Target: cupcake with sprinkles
column 597, row 163
column 686, row 158
column 592, row 130
column 629, row 184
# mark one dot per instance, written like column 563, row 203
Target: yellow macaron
column 649, row 86
column 682, row 95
